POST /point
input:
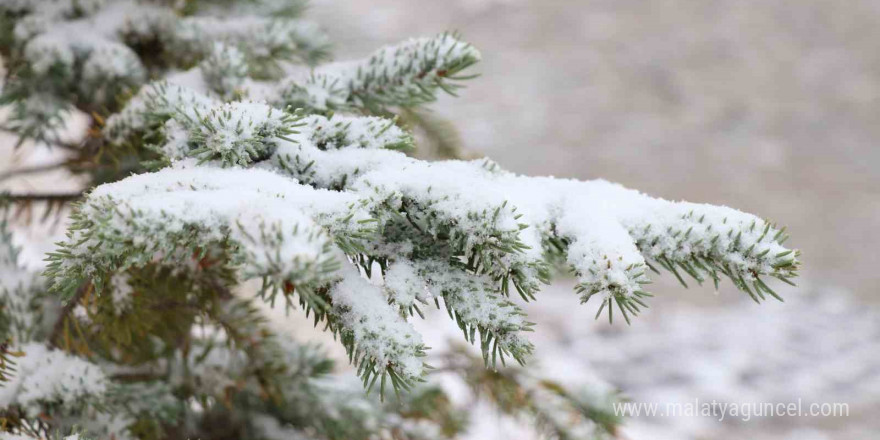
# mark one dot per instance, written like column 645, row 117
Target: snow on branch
column 34, row 115
column 266, row 221
column 328, row 207
column 83, row 53
column 465, row 232
column 289, row 235
column 263, row 40
column 145, row 114
column 338, row 132
column 477, row 305
column 72, row 56
column 405, row 75
column 261, row 170
column 472, row 301
column 45, row 376
column 605, row 231
column 500, row 223
column 224, row 70
column 705, row 241
column 21, row 305
column 379, row 342
column 93, row 55
column 237, row 133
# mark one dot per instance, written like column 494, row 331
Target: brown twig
column 68, row 307
column 42, row 197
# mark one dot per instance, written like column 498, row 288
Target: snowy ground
column 819, row 346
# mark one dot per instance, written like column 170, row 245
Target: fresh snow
column 45, row 376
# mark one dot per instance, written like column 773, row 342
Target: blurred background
column 768, row 106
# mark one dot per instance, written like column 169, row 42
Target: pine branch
column 476, row 305
column 406, row 75
column 281, row 245
column 50, row 202
column 325, row 208
column 225, row 70
column 265, row 41
column 6, row 198
column 558, row 410
column 443, row 138
column 61, row 320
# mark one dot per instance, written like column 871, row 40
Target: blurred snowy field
column 820, row 346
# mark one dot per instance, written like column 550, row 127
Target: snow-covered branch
column 217, row 149
column 404, row 75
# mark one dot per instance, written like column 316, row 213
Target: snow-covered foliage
column 129, row 223
column 21, row 305
column 237, row 133
column 466, row 232
column 263, row 39
column 44, row 376
column 100, row 51
column 154, row 104
column 225, row 70
column 242, row 158
column 406, row 74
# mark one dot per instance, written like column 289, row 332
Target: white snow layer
column 44, row 375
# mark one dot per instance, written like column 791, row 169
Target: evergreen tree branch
column 558, row 410
column 406, row 75
column 61, row 320
column 260, row 175
column 6, row 198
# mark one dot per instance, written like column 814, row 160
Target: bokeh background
column 769, row 106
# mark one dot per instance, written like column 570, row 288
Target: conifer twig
column 58, row 327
